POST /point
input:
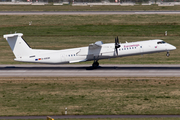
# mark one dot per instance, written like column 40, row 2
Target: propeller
column 117, row 45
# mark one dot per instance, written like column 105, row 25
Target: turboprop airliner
column 94, row 52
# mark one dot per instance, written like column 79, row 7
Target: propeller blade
column 117, row 45
column 116, row 51
column 117, row 40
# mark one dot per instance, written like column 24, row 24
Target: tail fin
column 18, row 45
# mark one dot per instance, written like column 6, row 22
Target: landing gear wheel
column 167, row 54
column 95, row 64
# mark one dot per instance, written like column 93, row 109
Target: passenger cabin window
column 161, row 42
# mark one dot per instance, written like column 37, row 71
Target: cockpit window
column 161, row 42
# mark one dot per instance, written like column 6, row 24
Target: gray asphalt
column 74, row 70
column 85, row 12
column 92, row 116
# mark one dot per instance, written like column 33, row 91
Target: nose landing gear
column 168, row 54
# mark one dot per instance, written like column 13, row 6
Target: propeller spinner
column 117, row 45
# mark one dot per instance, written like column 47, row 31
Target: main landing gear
column 168, row 54
column 95, row 64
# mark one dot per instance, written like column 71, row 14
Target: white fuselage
column 105, row 51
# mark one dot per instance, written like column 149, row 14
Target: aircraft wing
column 93, row 49
column 95, row 45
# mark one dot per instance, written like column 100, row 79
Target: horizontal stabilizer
column 12, row 35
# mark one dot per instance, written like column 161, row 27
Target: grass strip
column 113, row 119
column 86, row 8
column 88, row 95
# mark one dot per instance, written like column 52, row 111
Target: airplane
column 94, row 52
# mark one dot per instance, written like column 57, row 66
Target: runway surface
column 85, row 12
column 92, row 116
column 72, row 70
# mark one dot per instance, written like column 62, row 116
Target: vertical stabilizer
column 18, row 45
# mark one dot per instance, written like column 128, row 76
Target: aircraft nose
column 172, row 47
